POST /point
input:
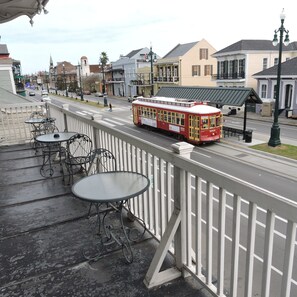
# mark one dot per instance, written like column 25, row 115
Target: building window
column 275, row 61
column 231, row 67
column 204, row 53
column 221, row 67
column 196, row 70
column 264, row 63
column 263, row 91
column 207, row 70
column 274, row 91
column 241, row 67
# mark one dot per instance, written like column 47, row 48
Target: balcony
column 206, row 230
column 167, row 79
column 228, row 76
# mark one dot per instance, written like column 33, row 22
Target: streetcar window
column 169, row 117
column 212, row 121
column 204, row 121
column 161, row 115
column 218, row 119
column 182, row 120
column 173, row 118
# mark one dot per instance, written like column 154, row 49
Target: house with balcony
column 189, row 64
column 267, row 86
column 127, row 78
column 238, row 62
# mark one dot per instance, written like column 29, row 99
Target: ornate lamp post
column 65, row 83
column 80, row 86
column 152, row 59
column 275, row 130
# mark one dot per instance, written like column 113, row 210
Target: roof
column 133, row 53
column 180, row 50
column 287, row 68
column 214, row 95
column 14, row 8
column 7, row 97
column 3, row 50
column 255, row 45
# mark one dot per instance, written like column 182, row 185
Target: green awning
column 214, row 95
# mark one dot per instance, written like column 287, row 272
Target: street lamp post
column 152, row 59
column 65, row 83
column 275, row 130
column 80, row 87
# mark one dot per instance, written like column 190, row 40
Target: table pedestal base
column 112, row 236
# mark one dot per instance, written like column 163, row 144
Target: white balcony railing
column 220, row 229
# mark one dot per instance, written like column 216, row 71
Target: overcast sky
column 75, row 28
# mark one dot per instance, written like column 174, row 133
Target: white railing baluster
column 188, row 219
column 268, row 247
column 288, row 259
column 221, row 241
column 209, row 231
column 198, row 221
column 169, row 198
column 235, row 245
column 250, row 256
column 163, row 221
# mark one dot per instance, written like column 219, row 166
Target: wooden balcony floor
column 44, row 230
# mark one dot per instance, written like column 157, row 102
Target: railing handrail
column 282, row 205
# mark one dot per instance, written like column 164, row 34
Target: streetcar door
column 194, row 127
column 135, row 114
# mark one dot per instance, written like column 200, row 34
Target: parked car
column 98, row 94
column 44, row 93
column 87, row 92
column 31, row 93
column 133, row 98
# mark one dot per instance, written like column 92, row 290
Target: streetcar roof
column 184, row 105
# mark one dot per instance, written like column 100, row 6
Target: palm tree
column 103, row 60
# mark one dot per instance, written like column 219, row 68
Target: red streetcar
column 195, row 122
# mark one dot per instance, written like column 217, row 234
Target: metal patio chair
column 78, row 155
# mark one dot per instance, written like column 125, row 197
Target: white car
column 45, row 98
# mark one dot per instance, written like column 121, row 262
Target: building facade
column 267, row 86
column 127, row 76
column 189, row 64
column 6, row 70
column 237, row 63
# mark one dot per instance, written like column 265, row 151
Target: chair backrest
column 37, row 114
column 102, row 160
column 47, row 128
column 79, row 145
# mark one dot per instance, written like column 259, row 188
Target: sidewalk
column 237, row 148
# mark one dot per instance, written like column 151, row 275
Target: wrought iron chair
column 35, row 127
column 49, row 150
column 78, row 155
column 102, row 160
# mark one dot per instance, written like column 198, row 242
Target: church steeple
column 51, row 62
